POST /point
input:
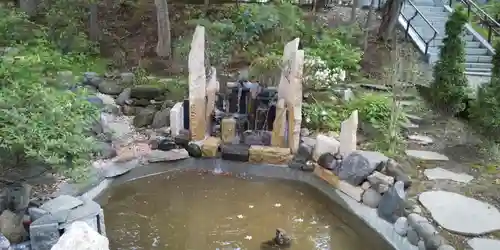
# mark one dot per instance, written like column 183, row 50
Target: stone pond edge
column 367, row 215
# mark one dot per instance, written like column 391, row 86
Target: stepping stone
column 61, row 203
column 115, row 169
column 461, row 214
column 375, row 87
column 426, row 155
column 443, row 174
column 408, row 125
column 421, row 139
column 414, row 118
column 484, row 244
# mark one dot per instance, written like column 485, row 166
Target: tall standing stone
column 348, row 130
column 212, row 88
column 228, row 130
column 278, row 135
column 289, row 52
column 197, row 85
column 176, row 119
column 294, row 101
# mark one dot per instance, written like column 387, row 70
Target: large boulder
column 146, row 92
column 80, row 236
column 358, row 165
column 144, row 117
column 11, row 226
column 161, row 118
column 110, row 88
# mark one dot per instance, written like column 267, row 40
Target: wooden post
column 197, row 85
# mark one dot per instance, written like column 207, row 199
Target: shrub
column 39, row 119
column 448, row 89
column 485, row 110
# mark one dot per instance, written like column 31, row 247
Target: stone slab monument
column 197, row 85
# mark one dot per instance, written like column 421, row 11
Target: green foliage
column 449, row 87
column 39, row 117
column 485, row 110
column 323, row 116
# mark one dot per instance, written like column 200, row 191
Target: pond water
column 189, row 210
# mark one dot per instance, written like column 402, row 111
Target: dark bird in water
column 280, row 241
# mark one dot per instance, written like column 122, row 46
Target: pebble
column 371, row 198
column 401, row 226
column 421, row 245
column 435, row 241
column 446, row 247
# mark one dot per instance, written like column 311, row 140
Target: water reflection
column 202, row 212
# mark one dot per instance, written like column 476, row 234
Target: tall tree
column 164, row 46
column 390, row 14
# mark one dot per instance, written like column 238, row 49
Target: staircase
column 424, row 22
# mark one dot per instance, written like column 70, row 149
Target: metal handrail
column 492, row 25
column 408, row 25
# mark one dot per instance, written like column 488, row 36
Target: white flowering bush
column 317, row 74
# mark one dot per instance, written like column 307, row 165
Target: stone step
column 484, row 66
column 478, row 71
column 477, row 59
column 428, row 9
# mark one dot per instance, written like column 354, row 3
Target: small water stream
column 188, row 210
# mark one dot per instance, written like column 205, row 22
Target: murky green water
column 187, row 211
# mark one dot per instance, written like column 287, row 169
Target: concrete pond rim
column 360, row 213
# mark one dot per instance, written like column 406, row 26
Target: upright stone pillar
column 286, row 62
column 294, row 101
column 348, row 130
column 176, row 119
column 212, row 88
column 278, row 135
column 197, row 85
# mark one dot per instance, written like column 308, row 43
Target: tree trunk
column 28, row 6
column 164, row 47
column 94, row 31
column 390, row 14
column 369, row 19
column 354, row 8
column 206, row 5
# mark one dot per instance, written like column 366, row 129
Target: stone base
column 210, row 147
column 270, row 155
column 235, row 152
column 327, row 176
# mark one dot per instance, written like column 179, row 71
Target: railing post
column 489, row 33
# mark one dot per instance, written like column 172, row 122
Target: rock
column 435, row 241
column 61, row 203
column 401, row 226
column 421, row 139
column 177, row 118
column 371, row 198
column 165, row 156
column 391, row 201
column 182, row 139
column 381, row 188
column 269, row 155
column 326, row 160
column 357, row 166
column 4, row 243
column 484, row 244
column 262, row 138
column 412, row 236
column 443, row 174
column 377, row 87
column 96, row 101
column 352, row 191
column 119, row 168
column 141, row 103
column 105, row 150
column 325, row 144
column 123, row 96
column 194, row 149
column 392, row 168
column 130, row 110
column 166, row 144
column 308, row 167
column 311, row 142
column 92, row 79
column 18, row 196
column 211, row 147
column 426, row 155
column 161, row 119
column 11, row 226
column 235, row 152
column 377, row 178
column 461, row 214
column 348, row 132
column 446, row 247
column 421, row 245
column 127, row 78
column 110, row 88
column 327, row 176
column 414, row 119
column 36, row 213
column 146, row 92
column 304, row 132
column 80, row 236
column 366, row 185
column 144, row 118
